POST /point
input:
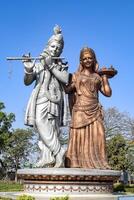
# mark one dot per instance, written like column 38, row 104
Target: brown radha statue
column 86, row 148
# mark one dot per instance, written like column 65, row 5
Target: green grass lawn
column 10, row 186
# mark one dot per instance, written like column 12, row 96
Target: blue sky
column 107, row 26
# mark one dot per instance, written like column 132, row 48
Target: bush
column 60, row 198
column 25, row 197
column 129, row 188
column 119, row 187
column 4, row 198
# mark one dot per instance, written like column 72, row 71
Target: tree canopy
column 6, row 121
column 118, row 122
column 18, row 149
column 15, row 145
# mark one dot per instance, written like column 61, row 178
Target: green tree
column 130, row 155
column 118, row 151
column 6, row 121
column 18, row 149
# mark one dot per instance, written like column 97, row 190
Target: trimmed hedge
column 129, row 188
column 60, row 198
column 25, row 197
column 120, row 187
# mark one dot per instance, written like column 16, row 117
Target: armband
column 28, row 72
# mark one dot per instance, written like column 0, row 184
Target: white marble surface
column 68, row 171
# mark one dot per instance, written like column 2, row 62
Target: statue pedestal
column 68, row 181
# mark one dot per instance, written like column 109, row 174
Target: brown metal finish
column 86, row 148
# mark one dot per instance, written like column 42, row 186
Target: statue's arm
column 62, row 76
column 29, row 78
column 70, row 87
column 105, row 88
column 29, row 71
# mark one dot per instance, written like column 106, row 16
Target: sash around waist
column 93, row 106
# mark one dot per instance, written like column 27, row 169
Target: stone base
column 68, row 181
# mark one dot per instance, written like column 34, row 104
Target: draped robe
column 86, row 147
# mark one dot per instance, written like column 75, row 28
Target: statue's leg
column 48, row 133
column 59, row 161
column 45, row 158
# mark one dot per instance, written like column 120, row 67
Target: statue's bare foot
column 42, row 163
column 39, row 163
column 45, row 160
column 60, row 159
